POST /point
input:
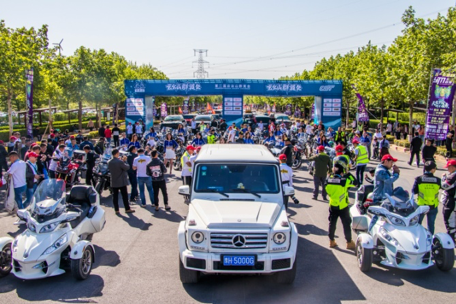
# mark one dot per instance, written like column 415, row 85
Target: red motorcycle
column 68, row 169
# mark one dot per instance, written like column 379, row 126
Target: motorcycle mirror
column 375, row 210
column 22, row 214
column 71, row 216
column 423, row 209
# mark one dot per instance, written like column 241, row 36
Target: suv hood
column 236, row 214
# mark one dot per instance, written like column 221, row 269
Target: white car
column 237, row 222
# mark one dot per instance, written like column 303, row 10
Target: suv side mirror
column 288, row 191
column 184, row 190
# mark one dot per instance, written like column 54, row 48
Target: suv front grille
column 235, row 240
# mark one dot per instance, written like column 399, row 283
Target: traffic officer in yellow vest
column 211, row 138
column 427, row 188
column 186, row 161
column 339, row 136
column 362, row 159
column 337, row 189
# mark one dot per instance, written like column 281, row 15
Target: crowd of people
column 144, row 167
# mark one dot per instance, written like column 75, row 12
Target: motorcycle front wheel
column 5, row 260
column 296, row 164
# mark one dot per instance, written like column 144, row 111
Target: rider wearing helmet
column 341, row 159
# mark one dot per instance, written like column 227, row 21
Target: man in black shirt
column 156, row 169
column 223, row 125
column 101, row 131
column 3, row 155
column 132, row 174
column 428, row 151
column 288, row 151
column 115, row 135
column 79, row 138
column 240, row 140
column 415, row 147
column 447, row 199
column 90, row 161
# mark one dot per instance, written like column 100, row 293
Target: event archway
column 141, row 94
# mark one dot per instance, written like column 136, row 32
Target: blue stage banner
column 232, row 109
column 134, row 110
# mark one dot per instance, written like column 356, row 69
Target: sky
column 253, row 39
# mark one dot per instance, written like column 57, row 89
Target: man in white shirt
column 260, row 126
column 232, row 134
column 129, row 130
column 309, row 129
column 139, row 130
column 140, row 165
column 56, row 156
column 187, row 165
column 287, row 175
column 17, row 173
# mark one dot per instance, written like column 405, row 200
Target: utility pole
column 200, row 73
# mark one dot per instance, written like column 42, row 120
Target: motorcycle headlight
column 395, row 220
column 279, row 238
column 388, row 237
column 197, row 237
column 49, row 227
column 414, row 220
column 57, row 244
column 429, row 239
column 31, row 227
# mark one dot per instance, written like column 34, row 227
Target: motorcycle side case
column 98, row 220
column 360, row 222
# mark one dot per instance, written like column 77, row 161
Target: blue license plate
column 238, row 260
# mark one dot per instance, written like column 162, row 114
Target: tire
column 81, row 268
column 5, row 260
column 288, row 276
column 296, row 164
column 188, row 276
column 364, row 257
column 444, row 258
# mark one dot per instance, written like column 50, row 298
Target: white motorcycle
column 58, row 235
column 396, row 239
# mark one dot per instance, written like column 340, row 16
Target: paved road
column 137, row 261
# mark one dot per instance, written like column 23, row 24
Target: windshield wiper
column 246, row 191
column 214, row 190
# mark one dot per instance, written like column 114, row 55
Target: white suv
column 237, row 222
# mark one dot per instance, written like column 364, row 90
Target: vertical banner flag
column 193, row 106
column 164, row 110
column 297, row 112
column 185, row 107
column 209, row 109
column 269, row 110
column 29, row 100
column 440, row 104
column 274, row 108
column 288, row 109
column 312, row 112
column 180, row 110
column 362, row 111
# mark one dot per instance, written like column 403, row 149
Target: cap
column 13, row 138
column 32, row 154
column 389, row 157
column 321, row 148
column 339, row 148
column 129, row 123
column 1, row 142
column 282, row 157
column 355, row 141
column 33, row 145
column 72, row 137
column 451, row 162
column 52, row 135
column 430, row 165
column 190, row 147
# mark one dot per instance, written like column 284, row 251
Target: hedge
column 402, row 143
column 55, row 123
column 4, row 134
column 443, row 151
column 94, row 134
column 390, row 138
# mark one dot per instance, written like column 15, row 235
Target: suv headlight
column 279, row 238
column 57, row 244
column 49, row 227
column 197, row 237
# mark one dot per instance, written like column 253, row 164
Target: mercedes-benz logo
column 238, row 240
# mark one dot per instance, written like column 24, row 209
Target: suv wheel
column 287, row 276
column 188, row 276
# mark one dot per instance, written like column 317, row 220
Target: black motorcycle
column 102, row 176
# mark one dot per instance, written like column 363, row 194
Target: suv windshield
column 231, row 178
column 203, row 118
column 178, row 118
column 189, row 116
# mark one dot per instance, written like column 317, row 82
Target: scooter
column 58, row 235
column 396, row 239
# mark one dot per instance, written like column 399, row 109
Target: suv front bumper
column 208, row 262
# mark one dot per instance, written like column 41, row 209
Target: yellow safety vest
column 428, row 191
column 337, row 190
column 211, row 139
column 362, row 155
column 182, row 161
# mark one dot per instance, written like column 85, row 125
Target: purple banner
column 297, row 113
column 29, row 100
column 362, row 111
column 440, row 104
column 288, row 109
column 164, row 110
column 185, row 107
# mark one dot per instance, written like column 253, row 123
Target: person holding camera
column 119, row 180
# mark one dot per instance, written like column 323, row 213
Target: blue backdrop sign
column 327, row 92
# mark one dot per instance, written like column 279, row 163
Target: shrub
column 390, row 138
column 402, row 143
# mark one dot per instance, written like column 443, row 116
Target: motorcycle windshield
column 49, row 189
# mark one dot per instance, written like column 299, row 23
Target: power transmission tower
column 200, row 73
